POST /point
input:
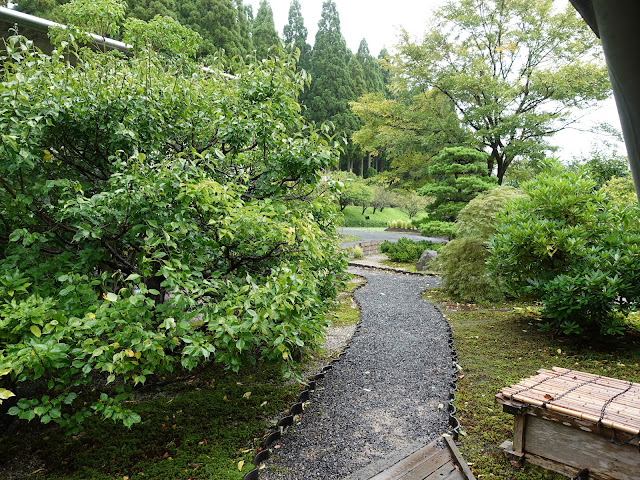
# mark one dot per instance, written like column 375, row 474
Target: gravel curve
column 376, row 236
column 386, row 394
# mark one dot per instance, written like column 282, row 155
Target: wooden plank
column 519, row 423
column 579, row 449
column 431, row 456
column 443, row 472
column 457, row 458
column 426, row 462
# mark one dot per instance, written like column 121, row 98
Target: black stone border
column 298, row 407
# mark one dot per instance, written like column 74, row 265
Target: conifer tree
column 264, row 30
column 244, row 21
column 356, row 72
column 147, row 9
column 331, row 88
column 295, row 36
column 216, row 22
column 371, row 71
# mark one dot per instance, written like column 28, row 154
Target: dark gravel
column 388, row 393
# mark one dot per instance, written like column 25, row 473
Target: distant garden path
column 387, row 394
column 380, row 236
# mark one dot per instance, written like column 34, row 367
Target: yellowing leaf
column 138, row 354
column 129, row 353
column 285, row 355
column 240, row 465
column 246, row 395
column 4, row 394
column 112, row 297
column 36, row 330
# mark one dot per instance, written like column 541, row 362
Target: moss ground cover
column 496, row 348
column 206, row 426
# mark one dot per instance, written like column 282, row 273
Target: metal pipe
column 42, row 25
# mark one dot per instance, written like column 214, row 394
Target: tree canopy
column 513, row 69
column 264, row 31
column 295, row 36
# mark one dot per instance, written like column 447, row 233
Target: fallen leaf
column 246, row 395
column 240, row 465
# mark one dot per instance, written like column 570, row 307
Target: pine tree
column 331, row 88
column 216, row 21
column 147, row 9
column 295, row 36
column 264, row 31
column 244, row 21
column 356, row 72
column 371, row 71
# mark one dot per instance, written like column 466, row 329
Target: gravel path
column 385, row 395
column 379, row 236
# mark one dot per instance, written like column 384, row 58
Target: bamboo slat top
column 594, row 398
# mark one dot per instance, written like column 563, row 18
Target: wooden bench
column 568, row 421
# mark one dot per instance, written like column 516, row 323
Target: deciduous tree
column 514, row 69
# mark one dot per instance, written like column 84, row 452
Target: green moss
column 197, row 429
column 499, row 347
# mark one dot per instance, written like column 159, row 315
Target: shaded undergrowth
column 208, row 425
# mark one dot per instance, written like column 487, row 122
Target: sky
column 381, row 21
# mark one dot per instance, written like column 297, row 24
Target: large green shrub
column 406, row 250
column 462, row 261
column 153, row 217
column 567, row 246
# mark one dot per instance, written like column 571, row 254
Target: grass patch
column 499, row 346
column 345, row 237
column 347, row 313
column 408, row 266
column 353, row 216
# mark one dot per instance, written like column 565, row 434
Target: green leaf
column 112, row 297
column 36, row 330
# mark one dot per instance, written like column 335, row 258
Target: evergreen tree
column 371, row 71
column 39, row 8
column 331, row 85
column 216, row 21
column 244, row 21
column 147, row 9
column 295, row 36
column 264, row 31
column 358, row 83
column 384, row 72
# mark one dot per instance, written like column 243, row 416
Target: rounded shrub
column 566, row 245
column 406, row 250
column 462, row 261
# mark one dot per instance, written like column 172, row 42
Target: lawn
column 353, row 216
column 496, row 348
column 207, row 425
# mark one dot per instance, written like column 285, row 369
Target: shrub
column 463, row 269
column 436, row 228
column 621, row 191
column 565, row 245
column 129, row 212
column 406, row 250
column 357, row 252
column 462, row 261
